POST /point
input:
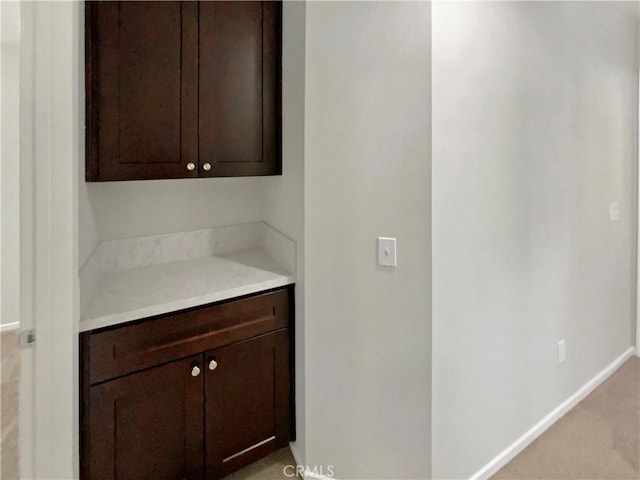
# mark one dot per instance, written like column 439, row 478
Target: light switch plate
column 387, row 256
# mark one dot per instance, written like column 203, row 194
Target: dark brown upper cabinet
column 182, row 89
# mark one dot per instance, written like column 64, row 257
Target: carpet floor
column 278, row 465
column 598, row 439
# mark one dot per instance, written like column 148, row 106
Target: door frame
column 15, row 38
column 638, row 207
column 49, row 156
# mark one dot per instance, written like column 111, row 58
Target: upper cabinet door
column 239, row 88
column 142, row 90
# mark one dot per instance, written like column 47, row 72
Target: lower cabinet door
column 148, row 425
column 247, row 402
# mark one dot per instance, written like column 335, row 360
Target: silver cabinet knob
column 195, row 371
column 191, row 166
column 206, row 167
column 213, row 364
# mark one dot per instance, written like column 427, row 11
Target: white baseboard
column 318, row 477
column 538, row 429
column 6, row 327
column 294, row 452
column 307, row 474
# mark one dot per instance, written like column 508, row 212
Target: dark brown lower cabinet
column 246, row 402
column 148, row 424
column 223, row 404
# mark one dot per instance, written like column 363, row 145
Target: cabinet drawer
column 142, row 345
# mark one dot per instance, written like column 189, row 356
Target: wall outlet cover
column 562, row 351
column 614, row 212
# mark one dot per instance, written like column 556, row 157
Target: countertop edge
column 174, row 306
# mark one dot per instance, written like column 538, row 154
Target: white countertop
column 141, row 292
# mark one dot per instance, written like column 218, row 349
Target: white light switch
column 614, row 212
column 387, row 252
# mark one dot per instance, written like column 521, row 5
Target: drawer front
column 134, row 347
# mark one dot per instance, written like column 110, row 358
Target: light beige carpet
column 9, row 390
column 269, row 468
column 598, row 439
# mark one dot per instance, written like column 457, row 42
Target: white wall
column 87, row 227
column 534, row 134
column 367, row 174
column 137, row 208
column 282, row 198
column 10, row 164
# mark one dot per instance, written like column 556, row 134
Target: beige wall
column 534, row 134
column 367, row 174
column 137, row 208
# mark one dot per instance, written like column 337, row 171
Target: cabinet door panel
column 239, row 79
column 143, row 96
column 151, row 126
column 148, row 425
column 246, row 402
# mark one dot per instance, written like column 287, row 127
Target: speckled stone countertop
column 143, row 290
column 136, row 293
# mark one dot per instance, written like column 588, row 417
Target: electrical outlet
column 614, row 212
column 562, row 352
